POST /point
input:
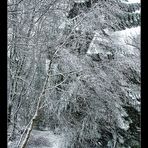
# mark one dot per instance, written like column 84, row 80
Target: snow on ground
column 45, row 139
column 137, row 11
column 42, row 139
column 124, row 34
column 119, row 38
column 123, row 38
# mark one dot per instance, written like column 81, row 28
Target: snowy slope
column 119, row 38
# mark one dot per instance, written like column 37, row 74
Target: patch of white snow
column 131, row 1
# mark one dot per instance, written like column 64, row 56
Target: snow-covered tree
column 69, row 71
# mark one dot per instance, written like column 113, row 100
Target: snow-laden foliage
column 77, row 77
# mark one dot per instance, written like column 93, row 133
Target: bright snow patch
column 137, row 11
column 42, row 139
column 119, row 38
column 131, row 1
column 47, row 64
column 127, row 32
column 46, row 139
column 123, row 38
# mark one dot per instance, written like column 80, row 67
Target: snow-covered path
column 42, row 139
column 45, row 139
